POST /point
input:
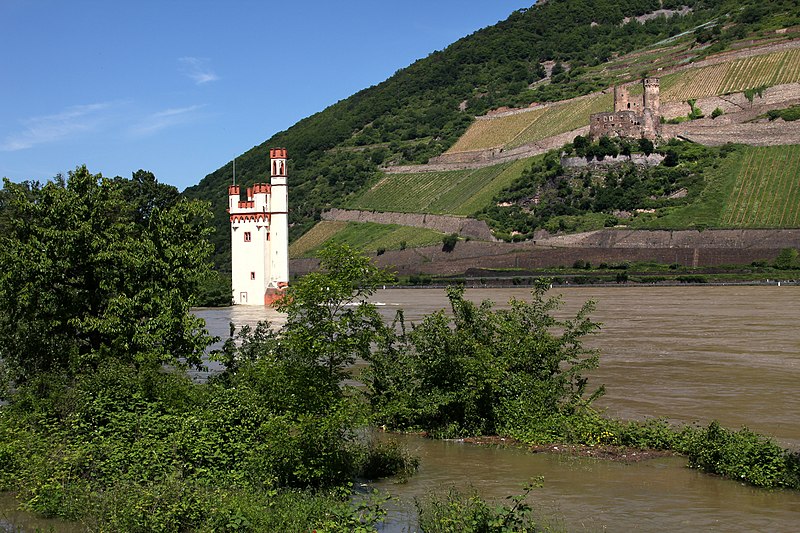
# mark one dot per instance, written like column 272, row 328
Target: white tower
column 260, row 237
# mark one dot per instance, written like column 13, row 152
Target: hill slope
column 422, row 110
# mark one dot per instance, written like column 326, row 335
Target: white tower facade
column 260, row 237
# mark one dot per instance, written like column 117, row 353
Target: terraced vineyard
column 769, row 69
column 495, row 132
column 365, row 236
column 457, row 192
column 563, row 118
column 766, row 190
column 526, row 127
column 313, row 238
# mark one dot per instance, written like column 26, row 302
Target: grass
column 365, row 236
column 531, row 126
column 456, row 192
column 755, row 187
column 766, row 192
column 314, row 238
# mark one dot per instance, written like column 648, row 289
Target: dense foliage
column 268, row 445
column 94, row 268
column 416, row 113
column 482, row 371
column 554, row 198
column 456, row 512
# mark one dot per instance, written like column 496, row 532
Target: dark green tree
column 328, row 317
column 94, row 268
column 787, row 259
column 449, row 242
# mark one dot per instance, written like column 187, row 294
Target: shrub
column 480, row 370
column 449, row 242
column 457, row 512
column 787, row 259
column 743, row 455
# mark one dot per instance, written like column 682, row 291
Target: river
column 689, row 354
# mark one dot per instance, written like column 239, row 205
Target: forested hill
column 422, row 110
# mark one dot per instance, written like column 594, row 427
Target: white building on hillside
column 260, row 237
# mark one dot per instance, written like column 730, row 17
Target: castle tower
column 622, row 99
column 259, row 237
column 652, row 98
column 279, row 226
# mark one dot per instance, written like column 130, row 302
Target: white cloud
column 156, row 122
column 50, row 128
column 196, row 69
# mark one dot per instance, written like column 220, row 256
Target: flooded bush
column 456, row 512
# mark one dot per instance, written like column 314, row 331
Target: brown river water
column 688, row 354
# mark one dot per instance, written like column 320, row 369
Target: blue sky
column 180, row 88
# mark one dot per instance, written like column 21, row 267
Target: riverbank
column 623, row 454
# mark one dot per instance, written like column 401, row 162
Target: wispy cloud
column 50, row 128
column 197, row 69
column 156, row 122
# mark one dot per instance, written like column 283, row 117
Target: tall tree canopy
column 92, row 268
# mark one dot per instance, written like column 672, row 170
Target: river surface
column 689, row 354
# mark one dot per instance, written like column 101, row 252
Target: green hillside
column 366, row 236
column 456, row 192
column 753, row 187
column 416, row 114
column 511, row 131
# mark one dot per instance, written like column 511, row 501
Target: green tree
column 87, row 274
column 449, row 242
column 787, row 259
column 328, row 317
column 481, row 370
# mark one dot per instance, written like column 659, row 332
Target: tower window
column 252, row 275
column 247, row 236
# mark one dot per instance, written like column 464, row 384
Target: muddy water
column 690, row 354
column 686, row 353
column 730, row 353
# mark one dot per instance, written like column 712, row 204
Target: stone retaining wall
column 651, row 160
column 466, row 227
column 689, row 248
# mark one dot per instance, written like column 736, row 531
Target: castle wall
column 632, row 117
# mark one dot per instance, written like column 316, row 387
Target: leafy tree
column 646, row 146
column 480, row 370
column 328, row 318
column 92, row 268
column 787, row 259
column 449, row 242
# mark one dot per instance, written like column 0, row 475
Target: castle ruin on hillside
column 632, row 116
